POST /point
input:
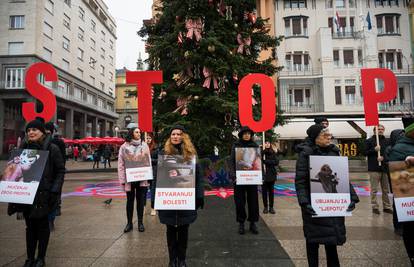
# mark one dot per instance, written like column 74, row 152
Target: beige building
column 322, row 60
column 78, row 38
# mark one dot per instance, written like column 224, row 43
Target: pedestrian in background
column 107, row 155
column 76, row 153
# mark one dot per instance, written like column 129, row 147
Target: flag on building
column 368, row 19
column 337, row 21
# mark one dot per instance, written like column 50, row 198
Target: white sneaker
column 153, row 212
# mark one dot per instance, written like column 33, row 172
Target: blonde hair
column 188, row 148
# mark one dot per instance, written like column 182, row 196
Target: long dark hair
column 130, row 135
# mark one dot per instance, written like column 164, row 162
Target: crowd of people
column 327, row 231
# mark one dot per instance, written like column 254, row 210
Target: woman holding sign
column 178, row 221
column 133, row 153
column 329, row 231
column 47, row 195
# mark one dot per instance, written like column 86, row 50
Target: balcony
column 387, row 107
column 405, row 69
column 345, row 35
column 301, row 108
column 300, row 71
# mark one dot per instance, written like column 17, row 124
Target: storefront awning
column 340, row 128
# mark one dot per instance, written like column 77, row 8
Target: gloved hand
column 351, row 206
column 199, row 203
column 310, row 210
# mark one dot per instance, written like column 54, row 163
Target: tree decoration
column 244, row 44
column 194, row 27
column 211, row 48
column 229, row 12
column 208, row 74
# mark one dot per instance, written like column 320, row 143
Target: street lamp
column 116, row 130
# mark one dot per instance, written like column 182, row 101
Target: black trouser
column 107, row 160
column 139, row 193
column 240, row 194
column 152, row 192
column 267, row 194
column 312, row 252
column 408, row 237
column 37, row 235
column 97, row 164
column 177, row 239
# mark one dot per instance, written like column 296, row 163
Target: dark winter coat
column 232, row 163
column 179, row 217
column 326, row 230
column 270, row 162
column 61, row 145
column 372, row 155
column 107, row 152
column 50, row 185
column 402, row 149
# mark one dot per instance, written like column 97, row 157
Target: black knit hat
column 314, row 131
column 179, row 127
column 408, row 123
column 50, row 126
column 37, row 123
column 319, row 120
column 244, row 129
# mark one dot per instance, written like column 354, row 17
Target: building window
column 66, row 43
column 81, row 14
column 81, row 34
column 336, row 57
column 103, row 36
column 389, row 59
column 92, row 62
column 110, row 106
column 338, row 96
column 14, row 78
column 337, row 29
column 350, row 95
column 111, row 44
column 388, row 24
column 295, row 3
column 329, row 3
column 111, row 60
column 66, row 21
column 47, row 54
column 102, row 86
column 92, row 80
column 340, row 3
column 299, row 26
column 80, row 73
column 352, row 3
column 386, row 2
column 79, row 93
column 127, row 105
column 102, row 53
column 65, row 64
column 90, row 98
column 15, row 48
column 399, row 60
column 360, row 58
column 67, row 2
column 102, row 70
column 63, row 87
column 80, row 54
column 93, row 25
column 111, row 76
column 300, row 61
column 48, row 84
column 93, row 44
column 47, row 30
column 49, row 6
column 16, row 22
column 100, row 102
column 348, row 58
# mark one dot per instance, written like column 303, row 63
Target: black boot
column 40, row 262
column 182, row 263
column 141, row 227
column 241, row 229
column 58, row 211
column 265, row 211
column 128, row 228
column 272, row 211
column 253, row 228
column 29, row 263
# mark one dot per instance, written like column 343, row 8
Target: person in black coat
column 378, row 174
column 46, row 199
column 244, row 192
column 107, row 152
column 270, row 162
column 329, row 231
column 178, row 221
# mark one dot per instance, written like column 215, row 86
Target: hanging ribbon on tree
column 194, row 27
column 244, row 44
column 208, row 74
column 221, row 8
column 180, row 38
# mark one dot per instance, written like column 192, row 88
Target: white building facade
column 78, row 38
column 322, row 57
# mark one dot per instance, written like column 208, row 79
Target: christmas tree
column 204, row 48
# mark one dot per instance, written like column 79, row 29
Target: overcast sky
column 129, row 15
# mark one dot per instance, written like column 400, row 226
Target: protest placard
column 402, row 182
column 175, row 187
column 21, row 177
column 329, row 182
column 138, row 166
column 248, row 166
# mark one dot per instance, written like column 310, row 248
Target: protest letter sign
column 21, row 177
column 175, row 188
column 138, row 166
column 402, row 181
column 248, row 166
column 329, row 182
